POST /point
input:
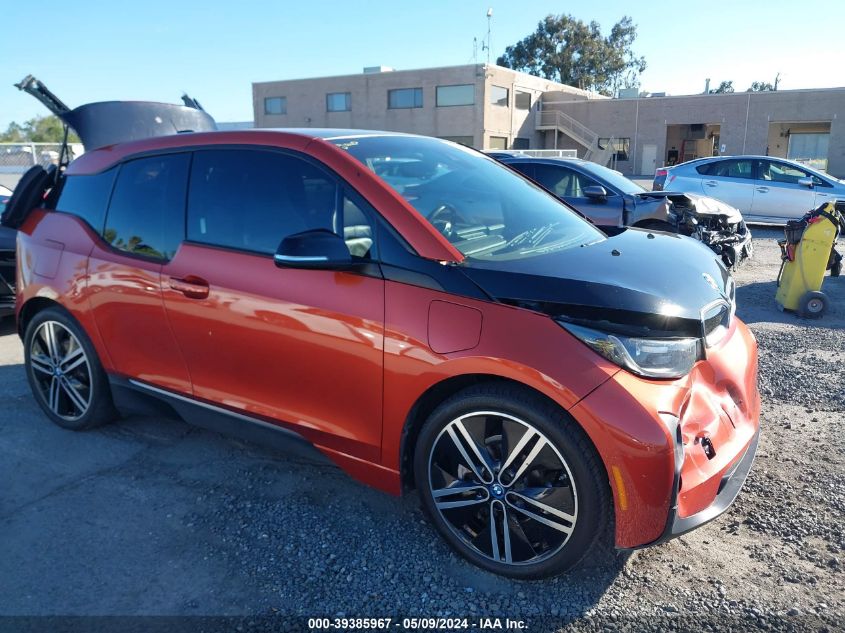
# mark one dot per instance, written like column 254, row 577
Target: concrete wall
column 744, row 120
column 512, row 122
column 306, row 103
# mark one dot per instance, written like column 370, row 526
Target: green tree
column 761, row 86
column 40, row 129
column 724, row 87
column 575, row 53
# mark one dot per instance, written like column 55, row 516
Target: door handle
column 191, row 286
column 763, row 189
column 710, row 183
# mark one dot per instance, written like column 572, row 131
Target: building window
column 499, row 96
column 455, row 95
column 405, row 98
column 522, row 100
column 275, row 105
column 621, row 147
column 521, row 143
column 498, row 142
column 338, row 102
column 461, row 140
column 809, row 148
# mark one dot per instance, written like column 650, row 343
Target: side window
column 563, row 182
column 147, row 209
column 87, row 196
column 252, row 199
column 732, row 169
column 781, row 172
column 526, row 169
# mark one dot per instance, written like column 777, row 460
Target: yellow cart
column 807, row 252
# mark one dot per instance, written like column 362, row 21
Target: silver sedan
column 765, row 189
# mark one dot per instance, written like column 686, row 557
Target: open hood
column 110, row 122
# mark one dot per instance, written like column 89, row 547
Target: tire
column 513, row 418
column 813, row 305
column 836, row 269
column 74, row 393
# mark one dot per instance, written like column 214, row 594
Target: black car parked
column 608, row 199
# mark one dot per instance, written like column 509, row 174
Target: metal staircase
column 553, row 119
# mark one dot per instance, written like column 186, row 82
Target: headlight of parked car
column 649, row 357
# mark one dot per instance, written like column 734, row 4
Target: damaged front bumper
column 733, row 242
column 714, row 223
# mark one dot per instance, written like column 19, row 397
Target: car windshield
column 613, row 178
column 486, row 210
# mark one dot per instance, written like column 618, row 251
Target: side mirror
column 594, row 192
column 807, row 182
column 317, row 248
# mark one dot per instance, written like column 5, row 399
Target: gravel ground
column 153, row 517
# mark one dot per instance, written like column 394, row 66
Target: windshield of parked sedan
column 484, row 209
column 613, row 178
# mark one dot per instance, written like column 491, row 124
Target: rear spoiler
column 109, row 122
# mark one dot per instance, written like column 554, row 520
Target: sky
column 156, row 49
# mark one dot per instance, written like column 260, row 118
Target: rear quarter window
column 705, row 169
column 146, row 214
column 86, row 197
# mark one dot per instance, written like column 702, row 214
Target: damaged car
column 552, row 389
column 609, row 199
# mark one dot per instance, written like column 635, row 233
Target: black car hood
column 633, row 281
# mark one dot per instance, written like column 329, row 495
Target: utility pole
column 777, row 80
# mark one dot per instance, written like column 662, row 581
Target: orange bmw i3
column 424, row 316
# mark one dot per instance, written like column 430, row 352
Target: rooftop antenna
column 487, row 45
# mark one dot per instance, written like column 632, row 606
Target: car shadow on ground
column 240, row 528
column 756, row 303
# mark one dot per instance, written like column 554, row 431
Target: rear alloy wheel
column 61, row 369
column 507, row 487
column 64, row 373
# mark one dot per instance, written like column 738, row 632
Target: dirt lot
column 153, row 517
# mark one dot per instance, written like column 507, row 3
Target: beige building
column 805, row 125
column 478, row 105
column 490, row 107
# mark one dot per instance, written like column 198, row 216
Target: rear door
column 144, row 226
column 299, row 347
column 731, row 181
column 569, row 184
column 778, row 193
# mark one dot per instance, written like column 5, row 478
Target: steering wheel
column 444, row 218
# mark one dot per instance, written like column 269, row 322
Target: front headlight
column 650, row 357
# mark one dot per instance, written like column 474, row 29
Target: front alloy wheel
column 513, row 483
column 503, row 488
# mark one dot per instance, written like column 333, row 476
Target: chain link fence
column 16, row 158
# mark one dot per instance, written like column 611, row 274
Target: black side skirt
column 137, row 397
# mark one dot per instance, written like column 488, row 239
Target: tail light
column 661, row 173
